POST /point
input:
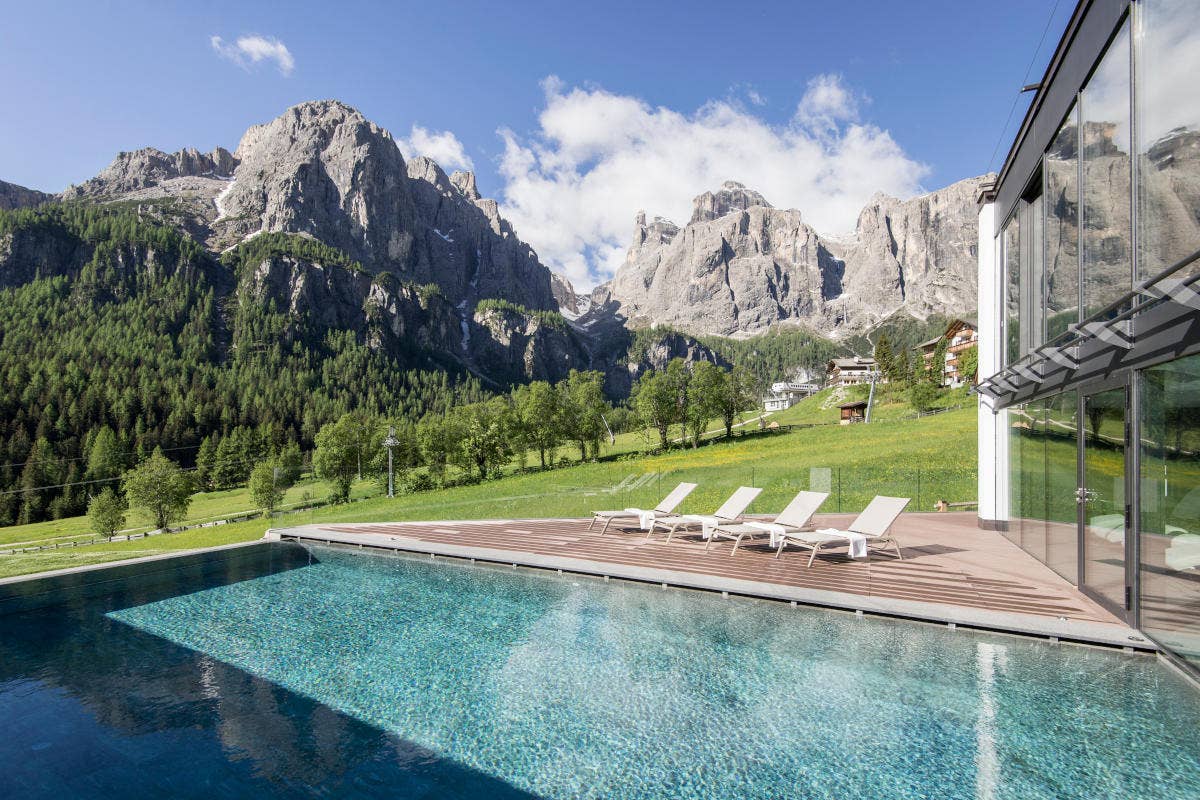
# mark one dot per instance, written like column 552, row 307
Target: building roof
column 958, row 324
column 850, row 363
column 955, row 325
column 855, row 404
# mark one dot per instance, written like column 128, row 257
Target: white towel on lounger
column 858, row 542
column 776, row 530
column 646, row 520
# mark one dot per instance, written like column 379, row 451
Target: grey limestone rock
column 740, row 265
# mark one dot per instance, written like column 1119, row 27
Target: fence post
column 918, row 489
column 839, row 469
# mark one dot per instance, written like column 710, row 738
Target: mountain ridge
column 740, row 266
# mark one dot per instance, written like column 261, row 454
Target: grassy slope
column 864, row 460
column 205, row 506
column 890, row 403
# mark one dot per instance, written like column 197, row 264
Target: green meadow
column 927, row 459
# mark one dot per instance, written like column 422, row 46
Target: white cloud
column 573, row 187
column 442, row 146
column 249, row 50
column 825, row 104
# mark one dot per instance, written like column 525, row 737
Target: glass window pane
column 1033, row 482
column 1170, row 505
column 1104, row 509
column 1168, row 62
column 1032, row 274
column 1012, row 290
column 1061, row 180
column 1106, row 236
column 1062, row 478
column 1018, row 424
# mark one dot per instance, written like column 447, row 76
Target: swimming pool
column 339, row 673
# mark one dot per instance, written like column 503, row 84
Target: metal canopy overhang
column 1158, row 321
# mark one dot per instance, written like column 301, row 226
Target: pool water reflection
column 369, row 675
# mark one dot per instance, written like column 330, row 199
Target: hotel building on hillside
column 785, row 394
column 1089, row 316
column 849, row 371
column 959, row 336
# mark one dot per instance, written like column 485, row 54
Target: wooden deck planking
column 947, row 560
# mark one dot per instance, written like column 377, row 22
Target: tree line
column 907, row 369
column 114, row 326
column 536, row 419
column 477, row 439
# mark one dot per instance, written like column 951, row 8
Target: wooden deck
column 951, row 571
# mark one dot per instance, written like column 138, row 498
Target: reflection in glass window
column 1061, row 192
column 1012, row 291
column 1106, row 234
column 1018, row 425
column 1168, row 133
column 1032, row 274
column 1032, row 499
column 1170, row 505
column 1043, row 517
column 1062, row 477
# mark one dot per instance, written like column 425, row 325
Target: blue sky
column 920, row 91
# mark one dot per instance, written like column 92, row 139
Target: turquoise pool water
column 336, row 673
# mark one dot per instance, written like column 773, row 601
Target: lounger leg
column 816, row 547
column 779, row 550
column 593, row 522
column 736, row 543
column 899, row 555
column 607, row 522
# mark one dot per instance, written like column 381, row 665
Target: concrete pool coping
column 1039, row 626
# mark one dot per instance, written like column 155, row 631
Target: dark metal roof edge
column 1064, row 45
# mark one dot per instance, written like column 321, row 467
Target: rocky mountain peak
column 465, row 183
column 322, row 168
column 425, row 169
column 740, row 266
column 731, row 197
column 659, row 232
column 149, row 167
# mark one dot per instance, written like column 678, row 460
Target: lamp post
column 872, row 376
column 390, row 442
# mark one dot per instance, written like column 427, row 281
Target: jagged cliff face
column 321, row 169
column 466, row 247
column 149, row 168
column 14, row 196
column 520, row 348
column 917, row 255
column 324, row 171
column 740, row 265
column 390, row 316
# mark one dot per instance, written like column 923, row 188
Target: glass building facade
column 1097, row 233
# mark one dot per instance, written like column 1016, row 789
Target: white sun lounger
column 728, row 513
column 871, row 528
column 795, row 518
column 666, row 507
